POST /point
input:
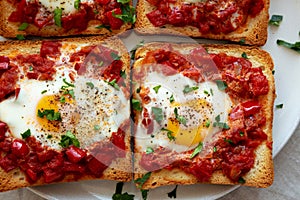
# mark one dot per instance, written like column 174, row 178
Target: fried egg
column 93, row 113
column 189, row 110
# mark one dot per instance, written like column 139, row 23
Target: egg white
column 103, row 106
column 211, row 105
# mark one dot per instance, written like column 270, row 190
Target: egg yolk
column 49, row 102
column 191, row 135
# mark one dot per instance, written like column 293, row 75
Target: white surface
column 287, row 76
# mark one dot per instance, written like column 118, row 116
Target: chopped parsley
column 172, row 98
column 96, row 127
column 107, row 27
column 149, row 150
column 132, row 51
column 273, row 71
column 20, row 37
column 279, row 106
column 66, row 90
column 207, row 123
column 215, row 149
column 241, row 180
column 142, row 180
column 244, row 55
column 197, row 150
column 115, row 56
column 211, row 92
column 123, row 74
column 206, row 92
column 158, row 114
column 26, row 134
column 173, row 193
column 169, row 134
column 138, row 90
column 50, row 114
column 44, row 91
column 295, row 46
column 123, row 1
column 188, row 89
column 90, row 84
column 156, row 88
column 229, row 141
column 76, row 4
column 69, row 139
column 30, row 68
column 181, row 119
column 100, row 63
column 241, row 133
column 49, row 136
column 128, row 13
column 144, row 194
column 222, row 85
column 242, row 41
column 62, row 99
column 67, row 83
column 220, row 124
column 23, row 26
column 57, row 16
column 276, row 20
column 136, row 104
column 114, row 84
column 118, row 195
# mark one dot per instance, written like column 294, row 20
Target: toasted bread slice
column 94, row 26
column 156, row 164
column 250, row 30
column 115, row 139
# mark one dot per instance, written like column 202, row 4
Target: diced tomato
column 33, row 176
column 42, row 18
column 157, row 18
column 258, row 82
column 17, row 16
column 114, row 22
column 51, row 175
column 50, row 48
column 117, row 139
column 46, row 155
column 3, row 129
column 4, row 62
column 96, row 167
column 19, row 148
column 75, row 154
column 251, row 107
column 5, row 145
column 73, row 167
column 8, row 162
column 102, row 2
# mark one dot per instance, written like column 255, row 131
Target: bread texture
column 261, row 175
column 121, row 168
column 10, row 29
column 252, row 32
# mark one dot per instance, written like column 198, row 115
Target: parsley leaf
column 169, row 134
column 50, row 114
column 156, row 88
column 23, row 26
column 20, row 37
column 222, row 85
column 207, row 123
column 241, row 180
column 279, row 106
column 295, row 46
column 229, row 141
column 197, row 150
column 149, row 150
column 115, row 56
column 188, row 89
column 215, row 149
column 96, row 127
column 144, row 194
column 181, row 119
column 57, row 16
column 142, row 180
column 90, row 84
column 69, row 139
column 104, row 26
column 67, row 84
column 132, row 51
column 26, row 134
column 219, row 124
column 128, row 14
column 276, row 20
column 123, row 1
column 244, row 55
column 123, row 74
column 76, row 4
column 114, row 84
column 136, row 105
column 173, row 193
column 158, row 114
column 172, row 99
column 118, row 195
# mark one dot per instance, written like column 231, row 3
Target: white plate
column 287, row 77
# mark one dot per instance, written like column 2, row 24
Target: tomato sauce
column 233, row 150
column 101, row 10
column 214, row 17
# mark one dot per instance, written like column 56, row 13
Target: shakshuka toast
column 64, row 111
column 65, row 17
column 202, row 114
column 243, row 21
